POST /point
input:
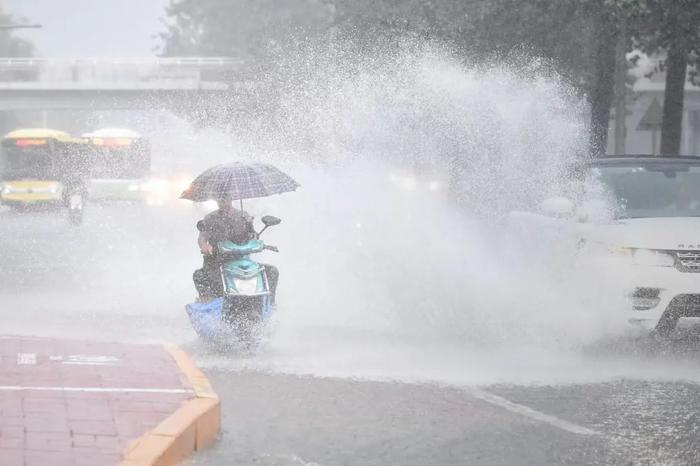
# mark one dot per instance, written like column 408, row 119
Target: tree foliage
column 13, row 46
column 242, row 28
column 673, row 27
column 577, row 37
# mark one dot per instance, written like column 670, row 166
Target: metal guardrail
column 30, row 63
column 123, row 70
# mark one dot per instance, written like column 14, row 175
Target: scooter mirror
column 269, row 220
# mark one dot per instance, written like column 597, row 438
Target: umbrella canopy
column 239, row 181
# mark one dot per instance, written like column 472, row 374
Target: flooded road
column 354, row 397
column 286, row 420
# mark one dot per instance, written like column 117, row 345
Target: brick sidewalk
column 81, row 403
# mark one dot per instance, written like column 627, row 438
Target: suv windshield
column 654, row 189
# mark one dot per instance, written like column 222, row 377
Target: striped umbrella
column 236, row 181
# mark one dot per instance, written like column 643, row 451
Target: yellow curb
column 192, row 427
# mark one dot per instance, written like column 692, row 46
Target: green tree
column 249, row 29
column 10, row 45
column 673, row 27
column 575, row 37
column 13, row 46
column 578, row 36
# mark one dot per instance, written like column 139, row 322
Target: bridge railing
column 90, row 70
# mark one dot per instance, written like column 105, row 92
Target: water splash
column 396, row 259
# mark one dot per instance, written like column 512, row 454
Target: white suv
column 654, row 231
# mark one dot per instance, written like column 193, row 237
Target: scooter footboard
column 206, row 317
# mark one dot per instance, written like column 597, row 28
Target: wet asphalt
column 284, row 420
column 123, row 276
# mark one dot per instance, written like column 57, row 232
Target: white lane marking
column 85, row 360
column 29, row 359
column 90, row 359
column 86, row 363
column 293, row 458
column 95, row 389
column 26, row 359
column 531, row 413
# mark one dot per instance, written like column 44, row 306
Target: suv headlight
column 643, row 257
column 653, row 258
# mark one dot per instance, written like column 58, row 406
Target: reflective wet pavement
column 125, row 275
column 286, row 420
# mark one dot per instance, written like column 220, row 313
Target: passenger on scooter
column 225, row 223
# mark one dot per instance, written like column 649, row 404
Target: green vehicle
column 121, row 166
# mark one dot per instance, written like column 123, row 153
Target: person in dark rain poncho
column 225, row 223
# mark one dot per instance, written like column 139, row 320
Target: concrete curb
column 192, row 427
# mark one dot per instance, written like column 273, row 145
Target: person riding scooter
column 225, row 223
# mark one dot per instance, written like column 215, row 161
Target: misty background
column 414, row 129
column 405, row 122
column 84, row 28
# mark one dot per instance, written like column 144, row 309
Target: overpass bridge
column 116, row 84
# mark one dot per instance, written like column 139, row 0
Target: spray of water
column 397, row 257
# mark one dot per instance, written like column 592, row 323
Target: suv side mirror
column 559, row 207
column 269, row 220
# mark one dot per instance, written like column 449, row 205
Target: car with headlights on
column 652, row 227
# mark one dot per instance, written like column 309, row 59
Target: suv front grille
column 687, row 261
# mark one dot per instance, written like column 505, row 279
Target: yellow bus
column 44, row 167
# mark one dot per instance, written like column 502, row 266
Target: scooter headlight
column 246, row 285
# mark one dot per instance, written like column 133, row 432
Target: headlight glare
column 157, row 186
column 246, row 285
